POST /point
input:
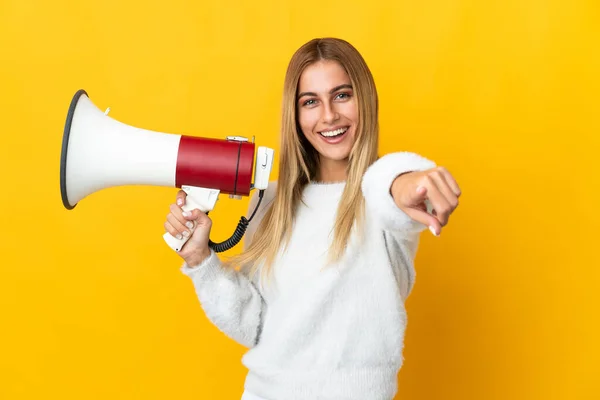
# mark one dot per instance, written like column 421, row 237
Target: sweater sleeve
column 377, row 182
column 230, row 299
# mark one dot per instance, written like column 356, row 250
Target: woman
column 334, row 241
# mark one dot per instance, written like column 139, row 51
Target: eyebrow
column 335, row 89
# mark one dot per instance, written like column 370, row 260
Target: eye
column 343, row 96
column 309, row 102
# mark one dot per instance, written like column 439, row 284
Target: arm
column 401, row 191
column 400, row 232
column 229, row 298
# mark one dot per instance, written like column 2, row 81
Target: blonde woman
column 328, row 257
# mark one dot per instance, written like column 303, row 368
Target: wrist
column 198, row 257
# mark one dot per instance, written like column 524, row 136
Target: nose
column 330, row 114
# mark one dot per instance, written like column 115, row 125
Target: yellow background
column 505, row 94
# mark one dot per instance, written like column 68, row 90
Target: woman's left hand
column 410, row 190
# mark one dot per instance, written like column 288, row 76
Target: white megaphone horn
column 99, row 152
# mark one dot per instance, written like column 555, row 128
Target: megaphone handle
column 199, row 198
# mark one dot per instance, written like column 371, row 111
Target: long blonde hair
column 299, row 161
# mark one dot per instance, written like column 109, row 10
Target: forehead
column 322, row 76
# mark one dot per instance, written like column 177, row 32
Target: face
column 327, row 110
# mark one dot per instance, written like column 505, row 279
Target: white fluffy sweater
column 323, row 333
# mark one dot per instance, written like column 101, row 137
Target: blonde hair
column 299, row 161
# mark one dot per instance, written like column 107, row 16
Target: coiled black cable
column 239, row 232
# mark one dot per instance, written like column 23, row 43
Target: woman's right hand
column 193, row 224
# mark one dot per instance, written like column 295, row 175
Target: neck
column 332, row 171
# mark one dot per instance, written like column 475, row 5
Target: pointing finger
column 426, row 219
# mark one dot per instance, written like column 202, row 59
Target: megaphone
column 99, row 152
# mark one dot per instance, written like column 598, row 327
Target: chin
column 336, row 155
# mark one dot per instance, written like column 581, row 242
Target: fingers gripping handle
column 197, row 198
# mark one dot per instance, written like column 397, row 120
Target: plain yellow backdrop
column 505, row 94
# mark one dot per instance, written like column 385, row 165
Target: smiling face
column 328, row 115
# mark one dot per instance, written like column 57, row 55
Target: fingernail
column 432, row 229
column 179, row 202
column 186, row 233
column 186, row 214
column 179, row 236
column 189, row 224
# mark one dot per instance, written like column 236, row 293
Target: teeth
column 334, row 133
